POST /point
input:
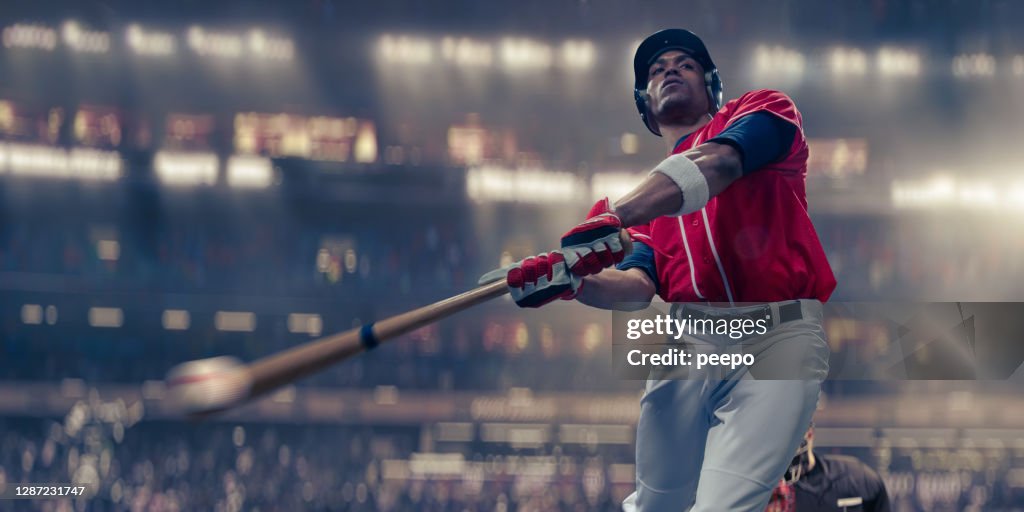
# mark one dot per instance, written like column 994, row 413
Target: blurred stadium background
column 188, row 179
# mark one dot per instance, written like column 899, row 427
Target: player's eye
column 657, row 71
column 688, row 66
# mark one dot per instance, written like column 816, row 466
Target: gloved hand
column 594, row 245
column 538, row 280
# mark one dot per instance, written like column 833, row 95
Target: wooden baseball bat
column 279, row 369
column 200, row 388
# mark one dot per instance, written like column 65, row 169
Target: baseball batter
column 722, row 220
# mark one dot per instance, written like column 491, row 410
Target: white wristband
column 691, row 182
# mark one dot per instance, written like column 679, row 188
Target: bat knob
column 205, row 386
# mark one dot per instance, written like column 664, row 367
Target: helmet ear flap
column 714, row 86
column 643, row 105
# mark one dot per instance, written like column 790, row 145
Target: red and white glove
column 538, row 280
column 594, row 245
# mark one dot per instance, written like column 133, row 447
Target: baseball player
column 723, row 219
column 828, row 483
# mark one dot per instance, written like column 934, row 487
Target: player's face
column 675, row 84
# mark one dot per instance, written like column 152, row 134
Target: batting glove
column 594, row 245
column 538, row 280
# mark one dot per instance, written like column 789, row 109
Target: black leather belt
column 788, row 311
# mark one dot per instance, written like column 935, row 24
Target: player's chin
column 674, row 105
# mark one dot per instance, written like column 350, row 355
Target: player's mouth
column 670, row 82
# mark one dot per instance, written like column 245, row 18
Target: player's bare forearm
column 612, row 288
column 658, row 195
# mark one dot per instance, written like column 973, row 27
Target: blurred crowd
column 128, row 463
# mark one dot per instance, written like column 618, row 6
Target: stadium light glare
column 108, row 250
column 578, row 54
column 465, row 52
column 944, row 191
column 614, row 185
column 1017, row 65
column 522, row 53
column 186, row 169
column 106, row 317
column 84, row 41
column 30, row 36
column 778, row 61
column 48, row 161
column 365, row 146
column 305, row 323
column 31, row 314
column 235, row 321
column 95, row 164
column 175, row 319
column 848, row 61
column 145, row 42
column 488, row 183
column 974, row 65
column 268, row 47
column 898, row 62
column 216, row 44
column 247, row 171
column 405, row 50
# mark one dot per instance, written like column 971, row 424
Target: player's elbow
column 721, row 165
column 622, row 290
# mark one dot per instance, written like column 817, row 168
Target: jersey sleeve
column 779, row 105
column 760, row 138
column 642, row 257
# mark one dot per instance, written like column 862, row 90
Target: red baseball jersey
column 754, row 242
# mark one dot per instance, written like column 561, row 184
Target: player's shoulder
column 759, row 97
column 762, row 100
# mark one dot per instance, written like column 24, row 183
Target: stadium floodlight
column 466, row 52
column 269, row 47
column 234, row 321
column 847, row 61
column 186, row 169
column 778, row 61
column 305, row 323
column 944, row 191
column 95, row 164
column 1017, row 65
column 147, row 42
column 974, row 65
column 175, row 319
column 216, row 44
column 108, row 250
column 898, row 62
column 522, row 53
column 578, row 54
column 106, row 317
column 82, row 40
column 249, row 171
column 614, row 185
column 31, row 314
column 405, row 50
column 35, row 160
column 486, row 183
column 30, row 36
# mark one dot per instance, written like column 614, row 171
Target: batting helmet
column 661, row 42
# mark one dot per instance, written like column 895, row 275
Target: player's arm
column 629, row 286
column 683, row 183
